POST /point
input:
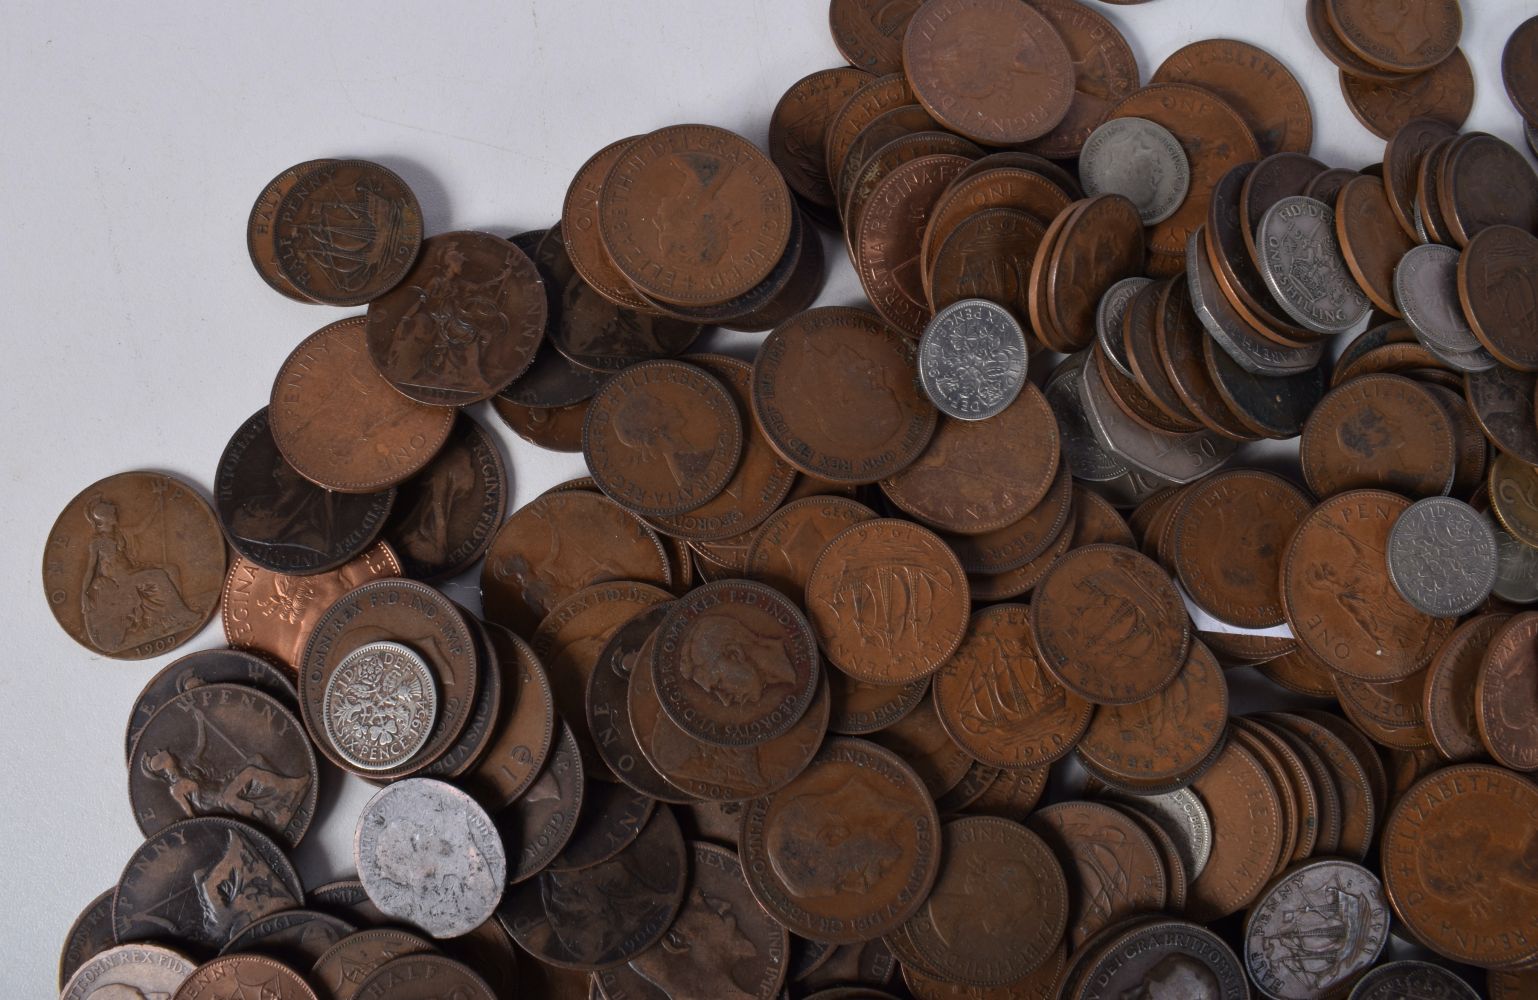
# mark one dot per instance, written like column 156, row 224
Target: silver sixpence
column 1426, row 291
column 429, row 855
column 972, row 359
column 1301, row 262
column 1180, row 814
column 1141, row 160
column 380, row 705
column 1086, row 459
column 1442, row 557
column 1416, row 980
column 1315, row 929
column 1516, row 565
column 129, row 970
column 1109, row 314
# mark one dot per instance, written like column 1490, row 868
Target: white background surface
column 137, row 335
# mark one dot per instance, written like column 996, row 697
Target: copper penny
column 1104, row 71
column 798, row 129
column 1451, row 707
column 848, row 850
column 579, row 228
column 864, row 106
column 445, row 516
column 1256, row 83
column 921, row 740
column 346, row 232
column 888, row 601
column 1019, row 188
column 1401, row 161
column 786, row 546
column 1502, row 985
column 1444, row 92
column 1496, row 276
column 1014, row 545
column 860, row 708
column 1355, row 770
column 345, row 964
column 423, row 977
column 1455, row 864
column 1383, row 431
column 1506, row 695
column 1110, row 625
column 890, row 235
column 1334, row 47
column 1016, row 582
column 1141, row 341
column 1514, row 497
column 1098, row 247
column 1181, row 342
column 1432, row 225
column 869, row 33
column 523, row 737
column 1392, row 41
column 1371, row 240
column 260, row 242
column 1300, row 802
column 907, row 126
column 1389, row 712
column 998, row 703
column 1244, row 648
column 557, row 428
column 89, row 936
column 540, row 822
column 987, row 256
column 1519, row 69
column 1113, row 868
column 1300, row 672
column 235, row 977
column 1230, row 532
column 133, row 564
column 1246, row 834
column 836, row 392
column 694, row 215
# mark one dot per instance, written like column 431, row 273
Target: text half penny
column 1394, row 43
column 261, row 243
column 1371, row 239
column 1444, row 92
column 888, row 243
column 1113, row 868
column 786, row 546
column 798, row 129
column 133, row 565
column 1360, row 434
column 1339, row 549
column 1110, row 625
column 1497, row 273
column 1104, row 71
column 1256, row 83
column 848, row 850
column 900, row 639
column 1506, row 694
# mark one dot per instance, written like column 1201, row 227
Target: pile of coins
column 769, row 704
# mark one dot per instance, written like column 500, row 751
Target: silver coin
column 1417, row 980
column 1315, row 929
column 1108, row 320
column 428, row 854
column 1301, row 262
column 135, row 970
column 972, row 359
column 1516, row 565
column 1442, row 557
column 1470, row 362
column 1228, row 329
column 1141, row 160
column 1131, row 488
column 1420, row 225
column 1180, row 814
column 380, row 705
column 1086, row 459
column 1426, row 291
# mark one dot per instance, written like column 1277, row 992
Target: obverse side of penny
column 1507, row 695
column 540, row 822
column 1315, row 887
column 799, row 125
column 1255, row 82
column 445, row 516
column 869, row 33
column 1495, row 275
column 89, row 936
column 1444, row 92
column 1104, row 71
column 1360, row 434
column 1378, row 35
column 786, row 546
column 1451, row 703
column 1371, row 239
column 1246, row 835
column 1113, row 868
column 133, row 564
column 126, row 970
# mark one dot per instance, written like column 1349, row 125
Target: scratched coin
column 972, row 359
column 1140, row 160
column 1442, row 557
column 1279, row 923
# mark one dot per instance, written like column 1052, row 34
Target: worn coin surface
column 1255, row 82
column 1506, row 694
column 90, row 935
column 1104, row 71
column 1442, row 557
column 427, row 854
column 972, row 359
column 1299, row 905
column 540, row 822
column 1300, row 259
column 1014, row 545
column 1420, row 980
column 1444, row 92
column 1380, row 430
column 1378, row 35
column 1426, row 293
column 379, row 705
column 1513, row 497
column 207, row 666
column 296, row 937
column 445, row 516
column 798, row 128
column 1497, row 281
column 1113, row 868
column 128, row 971
column 343, row 966
column 580, row 231
column 423, row 977
column 1247, row 836
column 1140, row 160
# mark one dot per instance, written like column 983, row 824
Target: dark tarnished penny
column 1394, row 42
column 1104, row 71
column 341, row 425
column 1401, row 161
column 261, row 244
column 207, row 666
column 580, row 228
column 786, row 546
column 346, row 232
column 798, row 129
column 1113, row 868
column 869, row 33
column 281, row 521
column 538, row 824
column 523, row 738
column 1100, row 245
column 1444, row 92
column 343, row 966
column 133, row 565
column 423, row 977
column 201, row 881
column 445, row 516
column 555, row 428
column 1236, row 274
column 224, row 750
column 864, row 106
column 1457, row 864
column 1109, row 625
column 848, row 850
column 1163, row 408
column 608, row 707
column 888, row 601
column 1378, row 431
column 1338, row 597
column 1391, row 980
column 890, row 237
column 297, row 938
column 1179, row 338
column 1519, row 69
column 347, row 899
column 1506, row 694
column 1327, row 886
column 556, row 545
column 860, row 708
column 89, row 936
column 1256, row 83
column 1502, row 401
column 1229, row 534
column 236, row 977
column 1498, row 286
column 1246, row 834
column 607, row 914
column 1450, row 702
column 1371, row 239
column 612, row 817
column 998, row 703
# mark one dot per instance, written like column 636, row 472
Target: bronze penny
column 260, row 242
column 1300, row 803
column 273, row 613
column 1339, row 549
column 1389, row 712
column 1300, row 672
column 296, row 937
column 490, row 953
column 1176, row 878
column 921, row 740
column 345, row 964
column 904, row 635
column 1356, row 772
column 860, row 708
column 1455, row 864
column 889, row 238
column 1229, row 534
column 1506, row 694
column 836, row 393
column 1509, row 985
column 1246, row 834
column 1180, row 340
column 798, row 129
column 1519, row 69
column 1104, row 71
column 1473, row 452
column 1256, row 83
column 1012, row 795
column 1495, row 275
column 557, row 428
column 1329, row 42
column 1428, row 199
column 1014, row 545
column 608, row 707
column 875, row 151
column 987, row 256
column 1371, row 239
column 694, row 215
column 347, row 899
column 346, row 232
column 998, row 703
column 1401, row 162
column 580, row 232
column 1514, row 497
column 522, row 740
column 341, row 425
column 444, row 517
column 1235, row 648
column 1384, row 431
column 1064, row 179
column 1113, row 868
column 1016, row 582
column 1444, row 92
column 786, row 546
column 1109, row 625
column 89, row 936
column 1396, row 43
column 1502, row 401
column 1018, row 188
column 423, row 977
column 537, row 825
column 1330, row 820
column 1450, row 702
column 1096, row 521
column 864, row 106
column 1140, row 337
column 869, row 33
column 1215, row 139
column 1100, row 245
column 612, row 817
column 235, row 977
column 848, row 850
column 1237, row 276
column 133, row 565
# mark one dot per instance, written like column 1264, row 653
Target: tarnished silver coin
column 1228, row 330
column 380, row 705
column 428, row 854
column 972, row 359
column 1426, row 291
column 1132, row 487
column 1108, row 319
column 1180, row 814
column 1516, row 565
column 1086, row 459
column 1442, row 557
column 1415, row 980
column 1301, row 262
column 1141, row 160
column 1315, row 929
column 129, row 971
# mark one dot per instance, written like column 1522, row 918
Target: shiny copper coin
column 1384, row 431
column 1450, row 702
column 557, row 428
column 346, row 232
column 987, row 256
column 836, row 392
column 1112, row 866
column 888, row 601
column 526, row 729
column 1371, row 239
column 799, row 125
column 235, row 977
column 1256, row 83
column 869, row 33
column 1104, row 71
column 1506, row 694
column 260, row 242
column 1339, row 549
column 786, row 546
column 1444, row 92
column 133, row 564
column 1109, row 624
column 1497, row 274
column 996, row 700
column 1014, row 545
column 1246, row 834
column 1098, row 247
column 1386, row 40
column 890, row 236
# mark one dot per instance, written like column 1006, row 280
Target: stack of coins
column 867, row 668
